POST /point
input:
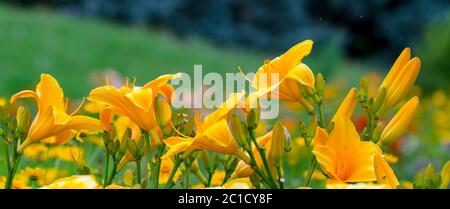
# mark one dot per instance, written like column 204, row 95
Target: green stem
column 280, row 177
column 263, row 157
column 158, row 164
column 6, row 150
column 311, row 171
column 170, row 182
column 314, row 160
column 149, row 156
column 210, row 175
column 33, row 183
column 12, row 173
column 186, row 177
column 200, row 177
column 113, row 172
column 138, row 171
column 6, row 146
column 257, row 170
column 105, row 179
column 321, row 117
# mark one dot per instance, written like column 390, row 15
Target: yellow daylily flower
column 74, row 182
column 400, row 78
column 18, row 183
column 399, row 122
column 212, row 133
column 340, row 185
column 347, row 106
column 52, row 119
column 40, row 175
column 240, row 183
column 135, row 102
column 292, row 74
column 384, row 173
column 342, row 156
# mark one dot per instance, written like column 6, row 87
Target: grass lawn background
column 71, row 48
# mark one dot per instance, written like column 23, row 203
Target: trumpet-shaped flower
column 347, row 106
column 212, row 133
column 341, row 154
column 400, row 122
column 384, row 173
column 292, row 74
column 135, row 102
column 400, row 78
column 51, row 119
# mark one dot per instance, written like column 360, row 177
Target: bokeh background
column 81, row 41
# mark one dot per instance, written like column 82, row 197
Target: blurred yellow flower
column 128, row 177
column 317, row 175
column 42, row 176
column 439, row 98
column 52, row 119
column 165, row 170
column 115, row 186
column 240, row 183
column 17, row 183
column 2, row 102
column 74, row 182
column 407, row 185
column 355, row 186
column 342, row 156
column 68, row 153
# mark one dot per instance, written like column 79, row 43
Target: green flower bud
column 311, row 129
column 379, row 99
column 320, row 84
column 253, row 117
column 240, row 131
column 364, row 87
column 377, row 132
column 163, row 114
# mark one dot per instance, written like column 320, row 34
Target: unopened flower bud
column 240, row 131
column 379, row 100
column 278, row 140
column 400, row 122
column 23, row 120
column 163, row 114
column 320, row 84
column 377, row 132
column 253, row 117
column 445, row 175
column 364, row 87
column 311, row 129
